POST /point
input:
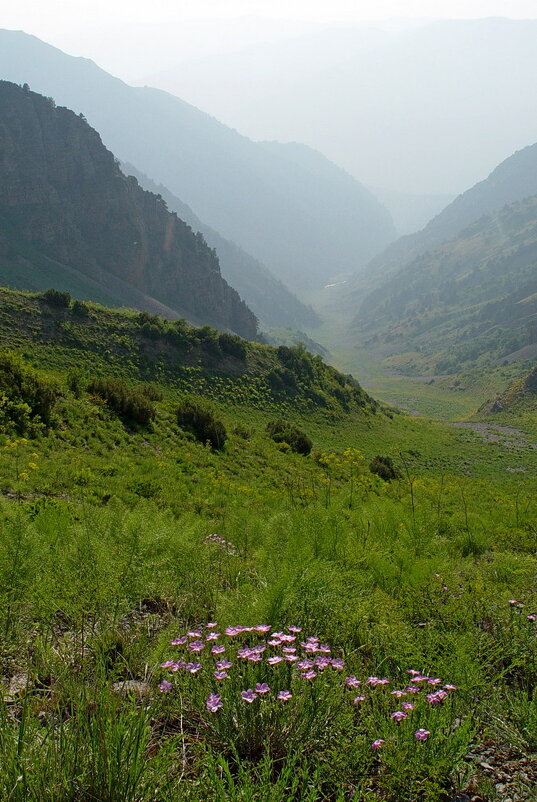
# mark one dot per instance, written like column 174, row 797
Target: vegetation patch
column 281, row 431
column 198, row 418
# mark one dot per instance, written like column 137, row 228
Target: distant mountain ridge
column 254, row 197
column 268, row 298
column 470, row 301
column 68, row 214
column 514, row 179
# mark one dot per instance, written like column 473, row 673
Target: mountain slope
column 269, row 299
column 252, row 196
column 65, row 202
column 514, row 179
column 471, row 301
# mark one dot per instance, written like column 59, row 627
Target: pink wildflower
column 212, row 624
column 192, row 668
column 221, row 675
column 249, row 696
column 421, row 734
column 303, row 665
column 262, row 628
column 399, row 715
column 291, row 658
column 436, row 697
column 196, row 646
column 262, row 687
column 167, row 664
column 377, row 744
column 254, row 657
column 352, row 682
column 399, row 694
column 216, row 649
column 284, row 696
column 294, row 630
column 450, row 687
column 195, row 633
column 165, row 686
column 358, row 699
column 223, row 665
column 212, row 636
column 275, row 660
column 407, row 705
column 532, row 617
column 337, row 663
column 309, row 674
column 179, row 641
column 213, row 703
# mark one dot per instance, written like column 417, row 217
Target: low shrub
column 282, row 431
column 129, row 403
column 384, row 467
column 199, row 419
column 57, row 298
column 26, row 400
column 232, row 345
column 80, row 309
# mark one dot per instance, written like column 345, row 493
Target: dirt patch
column 508, row 437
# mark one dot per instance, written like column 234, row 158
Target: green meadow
column 380, row 631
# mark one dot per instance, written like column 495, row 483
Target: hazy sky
column 62, row 15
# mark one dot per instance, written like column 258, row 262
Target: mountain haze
column 427, row 111
column 270, row 300
column 256, row 198
column 68, row 213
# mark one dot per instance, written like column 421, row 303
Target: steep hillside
column 471, row 301
column 138, row 346
column 66, row 206
column 514, row 179
column 520, row 393
column 268, row 298
column 252, row 196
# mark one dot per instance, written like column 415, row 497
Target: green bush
column 384, row 467
column 130, row 404
column 151, row 391
column 232, row 345
column 80, row 309
column 57, row 298
column 26, row 400
column 199, row 419
column 282, row 431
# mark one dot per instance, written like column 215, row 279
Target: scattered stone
column 132, row 686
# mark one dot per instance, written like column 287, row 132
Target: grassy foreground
column 118, row 538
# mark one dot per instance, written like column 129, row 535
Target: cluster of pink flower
column 532, row 617
column 309, row 657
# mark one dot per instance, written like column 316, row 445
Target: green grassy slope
column 118, row 538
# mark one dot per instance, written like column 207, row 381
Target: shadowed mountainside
column 269, row 299
column 65, row 202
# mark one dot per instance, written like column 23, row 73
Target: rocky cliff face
column 62, row 191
